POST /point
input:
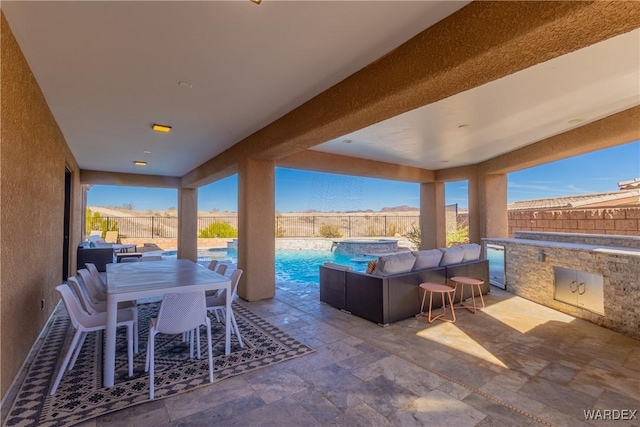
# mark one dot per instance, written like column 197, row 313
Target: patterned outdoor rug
column 81, row 396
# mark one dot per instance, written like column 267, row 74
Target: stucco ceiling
column 506, row 114
column 109, row 70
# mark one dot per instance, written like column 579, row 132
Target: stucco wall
column 620, row 221
column 33, row 156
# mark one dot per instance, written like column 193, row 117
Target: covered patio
column 77, row 109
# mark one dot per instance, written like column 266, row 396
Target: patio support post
column 474, row 207
column 432, row 215
column 83, row 217
column 256, row 230
column 492, row 196
column 188, row 223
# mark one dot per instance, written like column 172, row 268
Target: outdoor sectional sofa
column 391, row 292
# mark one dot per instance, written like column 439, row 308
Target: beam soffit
column 128, row 179
column 346, row 165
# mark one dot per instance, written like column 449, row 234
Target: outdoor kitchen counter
column 531, row 269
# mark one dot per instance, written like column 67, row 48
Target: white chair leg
column 208, row 323
column 191, row 337
column 65, row 362
column 198, row 341
column 235, row 327
column 77, row 352
column 146, row 361
column 136, row 329
column 151, row 365
column 130, row 346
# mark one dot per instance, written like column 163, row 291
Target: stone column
column 432, row 215
column 188, row 223
column 256, row 229
column 493, row 205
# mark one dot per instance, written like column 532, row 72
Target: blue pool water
column 297, row 266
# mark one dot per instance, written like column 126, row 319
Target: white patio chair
column 84, row 323
column 213, row 264
column 95, row 294
column 179, row 313
column 93, row 306
column 218, row 303
column 222, row 269
column 93, row 289
column 89, row 305
column 97, row 278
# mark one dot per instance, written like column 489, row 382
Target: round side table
column 432, row 288
column 471, row 282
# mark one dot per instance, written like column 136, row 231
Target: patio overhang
column 436, row 64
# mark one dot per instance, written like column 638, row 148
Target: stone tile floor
column 514, row 364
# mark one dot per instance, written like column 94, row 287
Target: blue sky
column 298, row 191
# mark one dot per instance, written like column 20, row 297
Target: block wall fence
column 620, row 221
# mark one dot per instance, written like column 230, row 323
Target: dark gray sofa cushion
column 389, row 265
column 427, row 259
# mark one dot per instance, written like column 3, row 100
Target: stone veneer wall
column 532, row 279
column 631, row 242
column 33, row 158
column 619, row 221
column 314, row 244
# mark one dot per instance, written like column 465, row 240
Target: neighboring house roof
column 609, row 199
column 628, row 185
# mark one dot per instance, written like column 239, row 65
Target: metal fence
column 285, row 225
column 344, row 226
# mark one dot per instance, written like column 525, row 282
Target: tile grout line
column 442, row 375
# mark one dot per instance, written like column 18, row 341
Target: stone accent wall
column 632, row 242
column 620, row 221
column 530, row 278
column 315, row 244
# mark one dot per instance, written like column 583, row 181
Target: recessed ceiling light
column 185, row 84
column 161, row 128
column 146, row 152
column 347, row 141
column 575, row 121
column 139, row 163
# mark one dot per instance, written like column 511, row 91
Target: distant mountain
column 403, row 208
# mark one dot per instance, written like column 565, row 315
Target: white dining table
column 139, row 280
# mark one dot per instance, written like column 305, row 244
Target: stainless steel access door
column 566, row 286
column 590, row 292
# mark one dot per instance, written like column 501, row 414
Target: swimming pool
column 295, row 266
